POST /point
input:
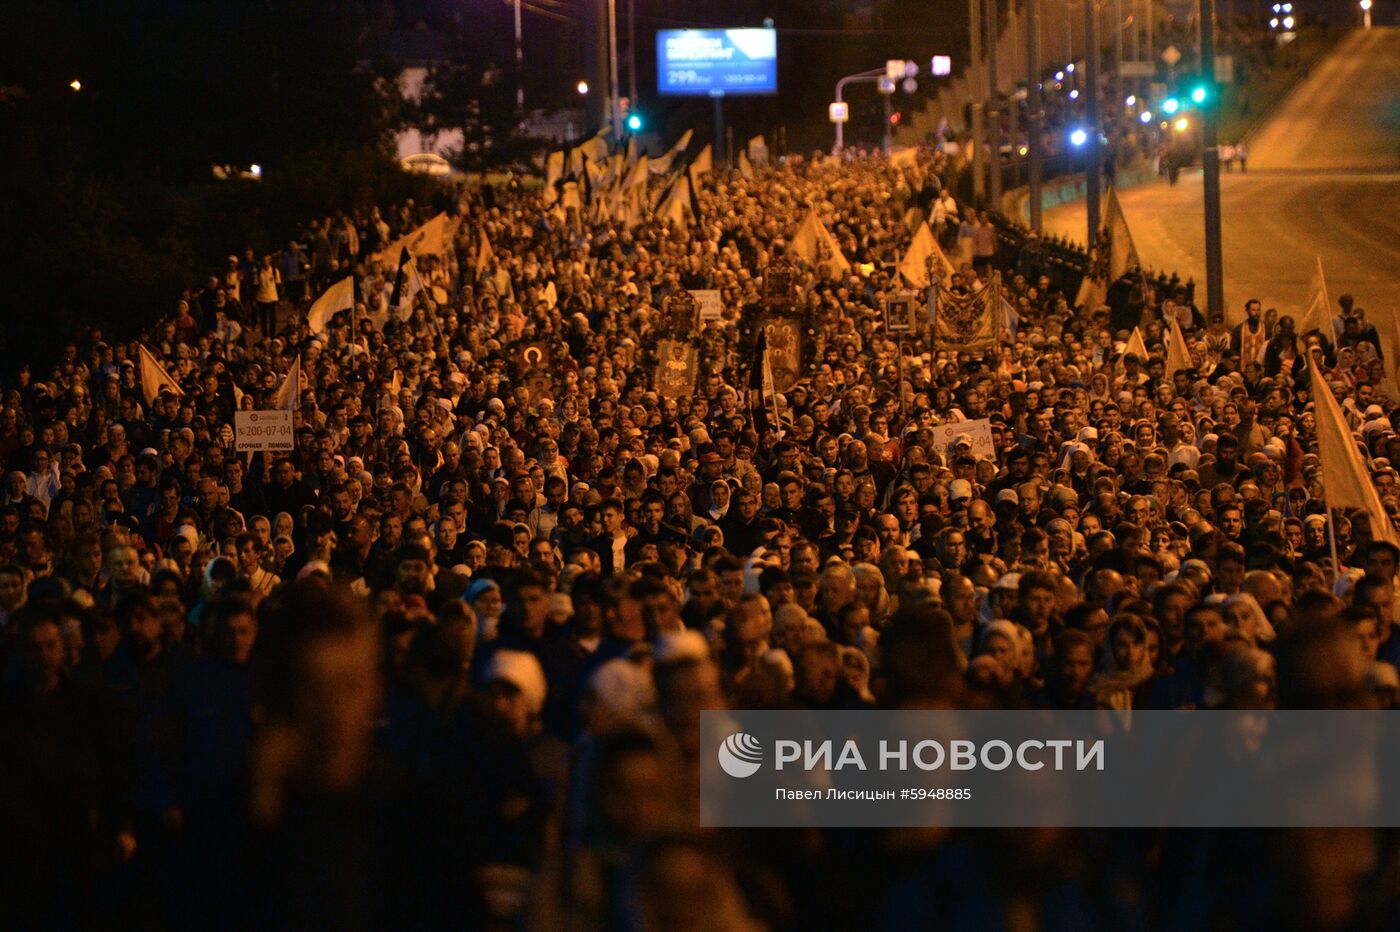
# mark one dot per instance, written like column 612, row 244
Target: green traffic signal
column 634, row 122
column 1198, row 94
column 1171, row 105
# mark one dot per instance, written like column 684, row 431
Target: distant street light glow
column 1070, row 67
column 1273, row 23
column 1365, row 4
column 1078, row 137
column 1171, row 105
column 1182, row 124
column 583, row 87
column 1059, row 76
column 1199, row 95
column 1146, row 116
column 1288, row 22
column 75, row 84
column 1131, row 101
column 1073, row 95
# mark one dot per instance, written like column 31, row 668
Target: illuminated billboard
column 716, row 62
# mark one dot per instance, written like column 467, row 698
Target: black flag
column 400, row 279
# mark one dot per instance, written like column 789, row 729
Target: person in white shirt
column 261, row 581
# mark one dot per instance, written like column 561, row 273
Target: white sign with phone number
column 270, row 431
column 979, row 432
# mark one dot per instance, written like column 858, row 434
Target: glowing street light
column 1171, row 105
column 1366, row 13
column 1078, row 137
column 1145, row 117
column 582, row 87
column 1182, row 124
column 1288, row 22
column 1130, row 101
column 76, row 85
column 1074, row 95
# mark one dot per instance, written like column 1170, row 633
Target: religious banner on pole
column 785, row 345
column 676, row 366
column 680, row 314
column 967, row 321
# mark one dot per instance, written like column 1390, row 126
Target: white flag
column 1345, row 478
column 289, row 392
column 1137, row 345
column 338, row 297
column 154, row 377
column 1318, row 314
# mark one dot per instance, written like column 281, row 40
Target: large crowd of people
column 442, row 664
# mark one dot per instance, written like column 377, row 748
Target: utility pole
column 595, row 70
column 616, row 109
column 1033, row 114
column 1091, row 82
column 519, row 67
column 1147, row 34
column 1013, row 120
column 1116, row 111
column 974, row 87
column 1137, row 31
column 993, row 106
column 632, row 51
column 1215, row 290
column 1069, row 31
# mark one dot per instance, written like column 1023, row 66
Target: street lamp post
column 1033, row 114
column 1116, row 111
column 1091, row 85
column 615, row 109
column 993, row 107
column 1215, row 298
column 1013, row 121
column 519, row 67
column 974, row 86
column 874, row 74
column 1366, row 13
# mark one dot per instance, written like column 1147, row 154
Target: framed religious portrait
column 785, row 346
column 902, row 312
column 676, row 365
column 680, row 313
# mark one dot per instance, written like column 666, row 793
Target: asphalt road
column 1324, row 180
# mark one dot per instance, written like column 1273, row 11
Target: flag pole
column 1332, row 542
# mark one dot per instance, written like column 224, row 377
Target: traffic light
column 895, row 118
column 1171, row 105
column 1199, row 93
column 631, row 118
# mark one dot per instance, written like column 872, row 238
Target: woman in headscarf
column 1243, row 613
column 1125, row 665
column 719, row 501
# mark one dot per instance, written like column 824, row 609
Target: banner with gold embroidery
column 967, row 321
